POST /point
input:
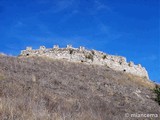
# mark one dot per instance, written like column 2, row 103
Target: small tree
column 104, row 56
column 70, row 51
column 89, row 56
column 93, row 52
column 157, row 91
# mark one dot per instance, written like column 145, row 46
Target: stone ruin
column 83, row 55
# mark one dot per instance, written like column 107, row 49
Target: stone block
column 28, row 48
column 69, row 46
column 56, row 46
column 81, row 48
column 42, row 47
column 131, row 64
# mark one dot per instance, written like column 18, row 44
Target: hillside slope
column 33, row 88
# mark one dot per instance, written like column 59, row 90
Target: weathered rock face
column 118, row 63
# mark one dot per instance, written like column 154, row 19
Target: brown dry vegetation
column 43, row 89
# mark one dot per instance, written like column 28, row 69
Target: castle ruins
column 83, row 55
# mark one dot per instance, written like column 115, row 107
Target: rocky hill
column 41, row 88
column 86, row 56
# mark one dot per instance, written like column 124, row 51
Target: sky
column 129, row 28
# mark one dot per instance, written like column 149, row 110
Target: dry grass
column 141, row 81
column 44, row 89
column 2, row 77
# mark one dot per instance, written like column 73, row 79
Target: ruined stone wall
column 81, row 54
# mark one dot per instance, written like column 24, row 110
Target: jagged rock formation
column 81, row 54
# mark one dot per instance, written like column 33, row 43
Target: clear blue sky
column 129, row 28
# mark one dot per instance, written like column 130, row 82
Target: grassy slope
column 44, row 89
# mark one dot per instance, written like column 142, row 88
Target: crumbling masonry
column 81, row 54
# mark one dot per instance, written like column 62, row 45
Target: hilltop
column 86, row 56
column 42, row 88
